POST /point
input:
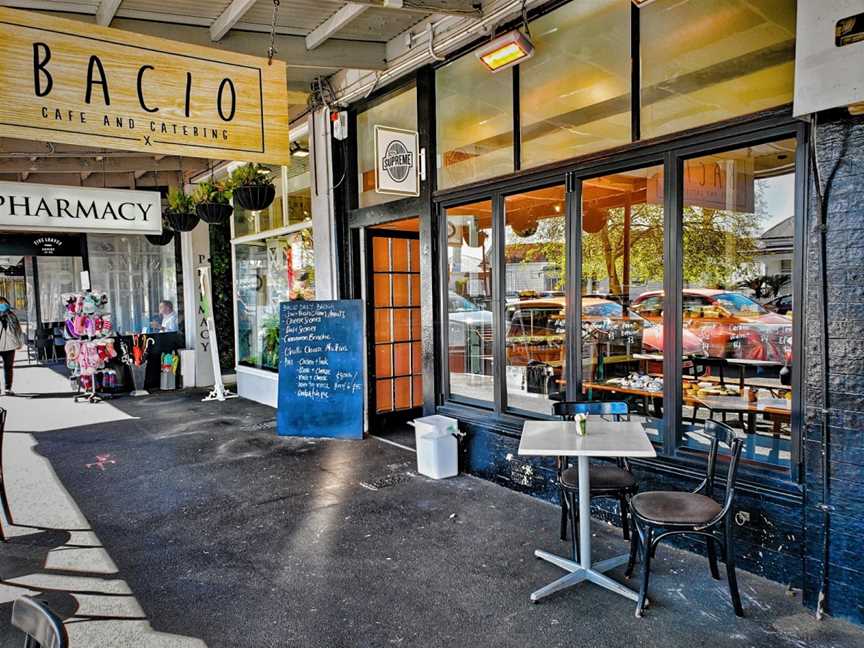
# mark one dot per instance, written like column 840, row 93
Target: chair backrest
column 39, row 623
column 722, row 433
column 569, row 409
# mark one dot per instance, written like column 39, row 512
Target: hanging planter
column 164, row 238
column 181, row 211
column 252, row 187
column 211, row 202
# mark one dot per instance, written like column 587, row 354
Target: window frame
column 670, row 153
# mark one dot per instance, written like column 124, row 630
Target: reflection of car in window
column 730, row 324
column 464, row 318
column 781, row 305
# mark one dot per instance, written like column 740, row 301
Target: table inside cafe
column 604, row 438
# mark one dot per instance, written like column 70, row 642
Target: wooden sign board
column 321, row 378
column 72, row 82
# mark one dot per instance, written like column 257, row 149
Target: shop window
column 704, row 61
column 622, row 272
column 253, row 222
column 737, row 349
column 535, row 318
column 137, row 276
column 57, row 276
column 399, row 111
column 298, row 183
column 575, row 92
column 474, row 122
column 269, row 271
column 469, row 301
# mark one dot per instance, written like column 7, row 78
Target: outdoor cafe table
column 604, row 439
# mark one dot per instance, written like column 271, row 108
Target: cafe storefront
column 621, row 216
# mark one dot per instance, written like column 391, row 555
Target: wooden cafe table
column 604, row 439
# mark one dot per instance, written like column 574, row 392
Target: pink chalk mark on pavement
column 101, row 461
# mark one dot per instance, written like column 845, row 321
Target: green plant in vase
column 252, row 186
column 213, row 201
column 181, row 211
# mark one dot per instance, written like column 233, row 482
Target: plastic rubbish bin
column 437, row 446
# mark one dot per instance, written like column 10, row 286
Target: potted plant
column 164, row 238
column 252, row 187
column 212, row 202
column 181, row 211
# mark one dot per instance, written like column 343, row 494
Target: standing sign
column 396, row 161
column 38, row 207
column 67, row 81
column 321, row 369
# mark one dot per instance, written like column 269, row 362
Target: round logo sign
column 397, row 161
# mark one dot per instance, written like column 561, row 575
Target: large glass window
column 738, row 232
column 704, row 61
column 622, row 262
column 298, row 183
column 137, row 276
column 399, row 111
column 469, row 300
column 535, row 280
column 270, row 271
column 575, row 91
column 474, row 122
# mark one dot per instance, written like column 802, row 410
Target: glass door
column 393, row 312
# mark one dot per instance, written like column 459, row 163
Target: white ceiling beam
column 462, row 8
column 334, row 23
column 106, row 11
column 228, row 18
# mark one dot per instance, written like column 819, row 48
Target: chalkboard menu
column 321, row 369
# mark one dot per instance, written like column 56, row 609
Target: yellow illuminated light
column 503, row 56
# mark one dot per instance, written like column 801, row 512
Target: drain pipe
column 822, row 196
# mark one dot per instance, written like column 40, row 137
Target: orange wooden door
column 394, row 309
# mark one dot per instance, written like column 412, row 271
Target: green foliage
column 180, row 202
column 764, row 286
column 223, row 303
column 211, row 192
column 251, row 175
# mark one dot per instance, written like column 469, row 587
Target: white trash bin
column 437, row 446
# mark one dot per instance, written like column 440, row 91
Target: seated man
column 168, row 318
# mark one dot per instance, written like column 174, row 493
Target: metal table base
column 583, row 570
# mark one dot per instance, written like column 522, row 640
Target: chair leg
column 730, row 569
column 712, row 559
column 573, row 507
column 563, row 497
column 624, row 504
column 646, row 570
column 634, row 547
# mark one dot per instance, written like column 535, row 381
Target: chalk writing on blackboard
column 320, row 370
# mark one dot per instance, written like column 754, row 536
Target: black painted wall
column 839, row 139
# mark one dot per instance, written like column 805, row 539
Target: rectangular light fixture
column 506, row 51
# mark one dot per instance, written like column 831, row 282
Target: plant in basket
column 181, row 211
column 165, row 237
column 212, row 202
column 252, row 186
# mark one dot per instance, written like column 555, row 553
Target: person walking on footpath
column 10, row 341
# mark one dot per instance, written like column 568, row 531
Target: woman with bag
column 10, row 341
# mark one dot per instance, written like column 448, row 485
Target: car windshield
column 739, row 304
column 603, row 309
column 459, row 304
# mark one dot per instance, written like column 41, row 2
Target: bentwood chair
column 659, row 514
column 4, row 500
column 615, row 481
column 43, row 628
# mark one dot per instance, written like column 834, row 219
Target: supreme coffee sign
column 396, row 169
column 66, row 81
column 36, row 207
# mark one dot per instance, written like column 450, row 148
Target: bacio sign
column 67, row 81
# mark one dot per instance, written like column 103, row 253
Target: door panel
column 394, row 308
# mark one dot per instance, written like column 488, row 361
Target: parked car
column 730, row 324
column 469, row 335
column 781, row 305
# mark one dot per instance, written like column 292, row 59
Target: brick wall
column 838, row 137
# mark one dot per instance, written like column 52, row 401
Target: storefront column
column 195, row 247
column 323, row 221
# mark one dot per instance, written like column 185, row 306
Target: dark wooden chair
column 659, row 514
column 4, row 500
column 615, row 481
column 43, row 628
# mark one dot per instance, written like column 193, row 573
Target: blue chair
column 615, row 481
column 43, row 628
column 656, row 515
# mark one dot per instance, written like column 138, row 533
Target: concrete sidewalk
column 216, row 532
